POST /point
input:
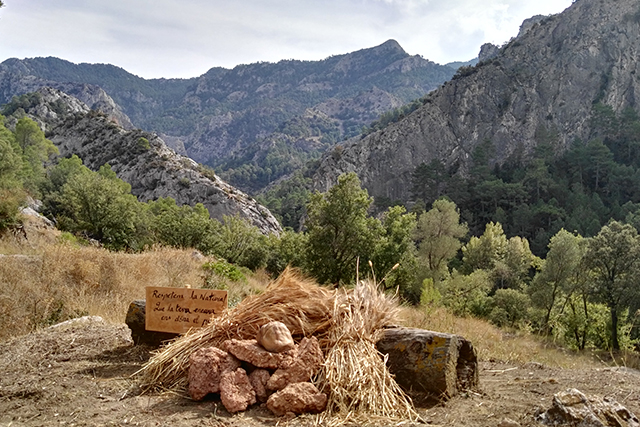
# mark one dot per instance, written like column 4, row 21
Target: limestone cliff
column 143, row 160
column 547, row 78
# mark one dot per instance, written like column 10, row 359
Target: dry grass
column 492, row 343
column 54, row 282
column 359, row 385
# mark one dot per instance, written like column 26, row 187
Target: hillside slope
column 142, row 159
column 545, row 80
column 257, row 121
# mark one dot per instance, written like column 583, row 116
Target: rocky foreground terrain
column 79, row 373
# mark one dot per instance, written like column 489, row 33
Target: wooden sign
column 179, row 309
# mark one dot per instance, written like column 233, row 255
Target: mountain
column 256, row 122
column 544, row 81
column 140, row 158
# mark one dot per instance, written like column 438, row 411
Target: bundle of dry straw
column 355, row 376
column 347, row 325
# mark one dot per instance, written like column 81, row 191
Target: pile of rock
column 270, row 368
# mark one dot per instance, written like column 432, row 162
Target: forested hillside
column 253, row 123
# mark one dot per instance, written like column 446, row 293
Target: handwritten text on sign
column 180, row 309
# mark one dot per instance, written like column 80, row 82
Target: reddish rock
column 301, row 367
column 298, row 398
column 250, row 351
column 236, row 391
column 259, row 379
column 206, row 366
column 275, row 337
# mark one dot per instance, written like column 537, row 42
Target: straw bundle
column 347, row 324
column 297, row 302
column 355, row 376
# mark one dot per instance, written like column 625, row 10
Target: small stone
column 259, row 379
column 301, row 368
column 298, row 398
column 206, row 367
column 508, row 422
column 250, row 351
column 236, row 391
column 275, row 337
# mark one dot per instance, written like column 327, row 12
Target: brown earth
column 79, row 374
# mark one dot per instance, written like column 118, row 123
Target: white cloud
column 163, row 38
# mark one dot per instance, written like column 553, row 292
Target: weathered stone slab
column 135, row 320
column 427, row 362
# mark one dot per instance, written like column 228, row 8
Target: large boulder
column 304, row 365
column 298, row 398
column 572, row 407
column 429, row 363
column 236, row 391
column 206, row 366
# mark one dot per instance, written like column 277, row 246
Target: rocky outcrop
column 572, row 407
column 548, row 78
column 143, row 160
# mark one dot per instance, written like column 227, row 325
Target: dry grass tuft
column 493, row 343
column 355, row 376
column 44, row 284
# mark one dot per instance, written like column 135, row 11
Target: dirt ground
column 79, row 374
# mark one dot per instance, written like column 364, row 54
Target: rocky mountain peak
column 546, row 79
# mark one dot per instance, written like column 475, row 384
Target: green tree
column 288, row 249
column 35, row 150
column 483, row 252
column 557, row 275
column 340, row 231
column 98, row 205
column 394, row 257
column 182, row 226
column 613, row 256
column 241, row 243
column 439, row 234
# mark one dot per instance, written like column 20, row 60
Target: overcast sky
column 169, row 38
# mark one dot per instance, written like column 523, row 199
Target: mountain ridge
column 139, row 158
column 227, row 115
column 546, row 79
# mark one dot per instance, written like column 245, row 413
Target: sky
column 181, row 39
